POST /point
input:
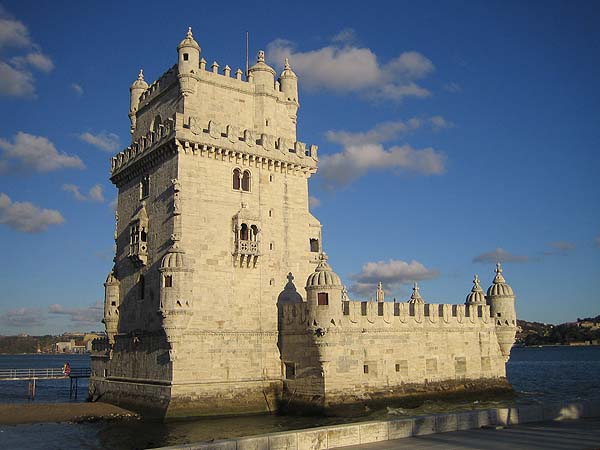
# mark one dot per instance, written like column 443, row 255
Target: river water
column 542, row 374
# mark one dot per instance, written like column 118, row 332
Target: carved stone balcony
column 138, row 252
column 246, row 253
column 247, row 248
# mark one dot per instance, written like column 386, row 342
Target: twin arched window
column 248, row 233
column 241, row 180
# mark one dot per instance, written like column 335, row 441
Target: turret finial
column 416, row 295
column 498, row 267
column 189, row 33
column 287, row 64
column 141, row 75
column 499, row 278
column 261, row 56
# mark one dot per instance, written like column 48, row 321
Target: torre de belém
column 221, row 299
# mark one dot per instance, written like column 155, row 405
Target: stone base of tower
column 347, row 403
column 190, row 400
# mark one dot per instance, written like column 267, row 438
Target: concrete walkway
column 582, row 434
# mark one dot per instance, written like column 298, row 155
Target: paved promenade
column 582, row 434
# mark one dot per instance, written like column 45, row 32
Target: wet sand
column 21, row 413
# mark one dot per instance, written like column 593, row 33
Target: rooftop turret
column 261, row 73
column 476, row 296
column 499, row 286
column 323, row 276
column 416, row 295
column 189, row 41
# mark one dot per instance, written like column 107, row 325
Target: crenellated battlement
column 371, row 314
column 208, row 138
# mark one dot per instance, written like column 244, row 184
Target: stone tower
column 501, row 299
column 213, row 216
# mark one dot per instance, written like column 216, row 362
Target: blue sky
column 451, row 134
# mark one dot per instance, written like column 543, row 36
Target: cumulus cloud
column 438, row 123
column 363, row 151
column 22, row 317
column 37, row 153
column 109, row 142
column 36, row 60
column 26, row 217
column 342, row 168
column 343, row 67
column 95, row 194
column 382, row 132
column 500, row 255
column 314, row 202
column 392, row 274
column 77, row 88
column 16, row 78
column 88, row 315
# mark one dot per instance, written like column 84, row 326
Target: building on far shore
column 213, row 230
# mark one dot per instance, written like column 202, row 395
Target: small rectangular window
column 323, row 298
column 168, row 281
column 290, row 371
column 366, row 368
column 145, row 187
column 314, row 245
column 186, row 56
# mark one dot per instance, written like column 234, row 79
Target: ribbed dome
column 140, row 83
column 499, row 287
column 416, row 295
column 476, row 296
column 287, row 71
column 189, row 41
column 260, row 66
column 323, row 276
column 174, row 259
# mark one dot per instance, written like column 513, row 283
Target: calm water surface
column 537, row 374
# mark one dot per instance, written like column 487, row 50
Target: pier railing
column 49, row 373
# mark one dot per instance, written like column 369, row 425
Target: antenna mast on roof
column 246, row 55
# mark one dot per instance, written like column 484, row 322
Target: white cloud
column 342, row 168
column 392, row 274
column 13, row 33
column 88, row 315
column 26, row 217
column 345, row 36
column 95, row 193
column 109, row 142
column 560, row 248
column 438, row 123
column 77, row 88
column 342, row 67
column 36, row 60
column 15, row 78
column 37, row 153
column 313, row 202
column 15, row 82
column 499, row 255
column 382, row 132
column 22, row 317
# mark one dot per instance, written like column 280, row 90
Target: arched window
column 156, row 122
column 246, row 181
column 253, row 233
column 244, row 233
column 237, row 174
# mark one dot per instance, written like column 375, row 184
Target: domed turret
column 261, row 73
column 111, row 306
column 136, row 90
column 501, row 299
column 289, row 83
column 415, row 297
column 176, row 307
column 476, row 296
column 324, row 294
column 188, row 63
